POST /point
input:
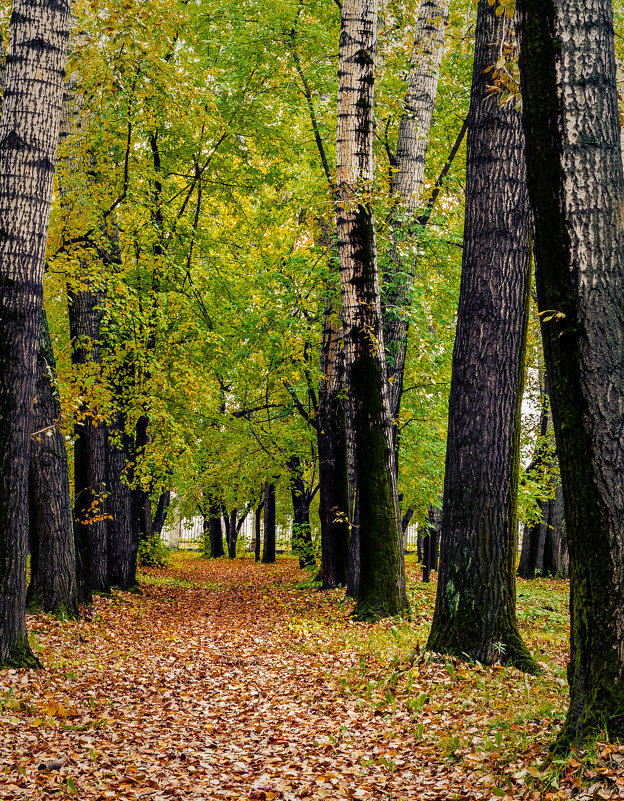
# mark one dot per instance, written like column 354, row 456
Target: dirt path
column 220, row 681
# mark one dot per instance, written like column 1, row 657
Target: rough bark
column 29, row 132
column 568, row 72
column 475, row 612
column 90, row 512
column 332, row 454
column 52, row 586
column 268, row 546
column 122, row 541
column 409, row 163
column 382, row 576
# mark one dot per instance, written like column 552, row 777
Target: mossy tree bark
column 476, row 596
column 29, row 131
column 382, row 577
column 568, row 72
column 52, row 586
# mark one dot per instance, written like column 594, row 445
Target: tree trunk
column 302, row 533
column 231, row 532
column 332, row 454
column 268, row 546
column 560, row 552
column 531, row 536
column 122, row 541
column 141, row 503
column 407, row 188
column 52, row 586
column 569, row 81
column 90, row 512
column 475, row 612
column 216, row 534
column 382, row 577
column 161, row 513
column 28, row 140
column 434, row 520
column 544, row 544
column 257, row 529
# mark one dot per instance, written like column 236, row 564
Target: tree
column 122, row 542
column 52, row 586
column 544, row 544
column 29, row 132
column 301, row 499
column 476, row 595
column 576, row 187
column 382, row 578
column 268, row 546
column 90, row 508
column 407, row 184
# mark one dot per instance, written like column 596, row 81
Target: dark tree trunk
column 531, row 535
column 161, row 513
column 141, row 503
column 475, row 612
column 353, row 580
column 434, row 520
column 90, row 512
column 258, row 532
column 122, row 540
column 332, row 453
column 381, row 589
column 231, row 532
column 530, row 547
column 559, row 539
column 569, row 81
column 52, row 586
column 268, row 546
column 544, row 545
column 216, row 534
column 430, row 542
column 302, row 533
column 29, row 133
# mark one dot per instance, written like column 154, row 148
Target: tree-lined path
column 226, row 680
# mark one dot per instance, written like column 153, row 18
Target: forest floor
column 230, row 680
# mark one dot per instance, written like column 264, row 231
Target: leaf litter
column 226, row 680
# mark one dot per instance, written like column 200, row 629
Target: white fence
column 186, row 534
